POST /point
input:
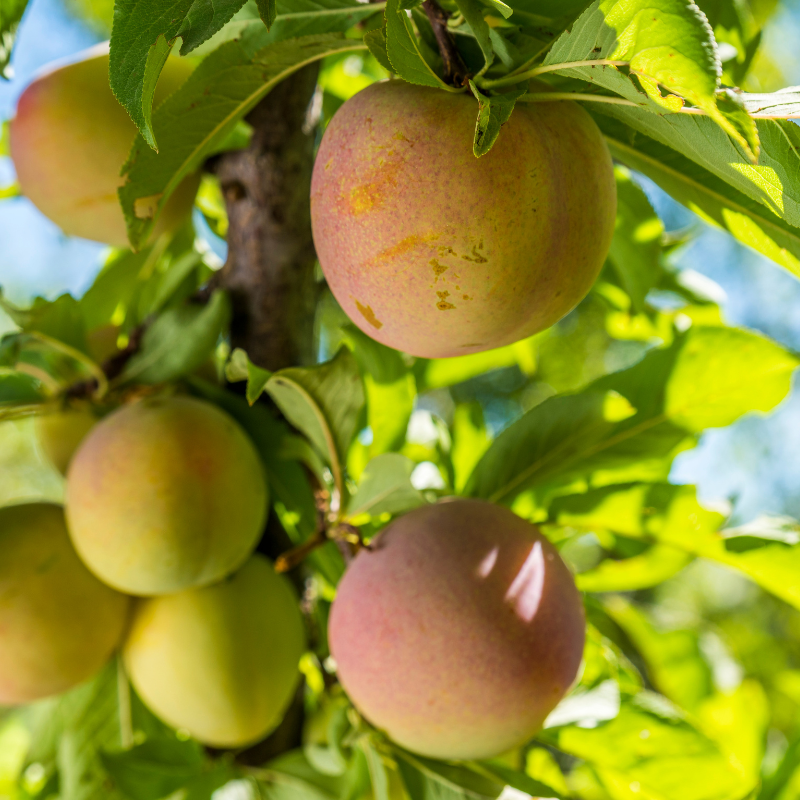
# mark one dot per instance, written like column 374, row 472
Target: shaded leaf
column 385, row 487
column 493, row 113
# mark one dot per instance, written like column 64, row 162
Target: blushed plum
column 438, row 253
column 459, row 631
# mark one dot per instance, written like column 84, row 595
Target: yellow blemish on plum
column 476, row 257
column 444, row 304
column 438, row 268
column 466, row 297
column 400, row 138
column 446, row 251
column 369, row 315
column 328, row 164
column 405, row 245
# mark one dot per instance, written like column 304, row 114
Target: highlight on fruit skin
column 166, row 494
column 69, row 140
column 220, row 662
column 458, row 631
column 437, row 253
column 60, row 432
column 58, row 623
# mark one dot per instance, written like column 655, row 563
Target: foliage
column 575, row 429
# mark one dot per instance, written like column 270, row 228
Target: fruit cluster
column 165, row 501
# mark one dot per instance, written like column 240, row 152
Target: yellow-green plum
column 59, row 433
column 58, row 623
column 459, row 631
column 438, row 253
column 220, row 662
column 69, row 140
column 165, row 494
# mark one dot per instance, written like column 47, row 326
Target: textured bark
column 269, row 273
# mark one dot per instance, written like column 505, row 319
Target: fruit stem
column 455, row 70
column 519, row 77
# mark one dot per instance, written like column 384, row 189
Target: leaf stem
column 519, row 77
column 546, row 97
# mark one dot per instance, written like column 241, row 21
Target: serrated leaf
column 426, row 779
column 404, row 51
column 665, row 43
column 59, row 319
column 493, row 113
column 268, row 11
column 11, row 12
column 202, row 113
column 708, row 378
column 385, row 488
column 376, row 42
column 324, row 403
column 782, row 104
column 749, row 221
column 143, row 35
column 179, row 341
column 519, row 780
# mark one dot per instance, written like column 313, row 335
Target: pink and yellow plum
column 165, row 494
column 459, row 631
column 438, row 253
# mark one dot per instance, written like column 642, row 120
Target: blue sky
column 755, row 463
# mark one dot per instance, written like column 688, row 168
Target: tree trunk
column 269, row 273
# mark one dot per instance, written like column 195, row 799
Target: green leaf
column 493, row 113
column 665, row 43
column 472, row 11
column 193, row 121
column 385, row 488
column 179, row 341
column 143, row 35
column 324, row 403
column 59, row 319
column 519, row 780
column 426, row 779
column 90, row 720
column 674, row 661
column 267, row 10
column 241, row 368
column 11, row 12
column 470, row 441
column 636, row 247
column 18, row 388
column 654, row 566
column 708, row 378
column 649, row 750
column 747, row 219
column 783, row 104
column 670, row 515
column 377, row 771
column 155, row 768
column 774, row 181
column 376, row 42
column 404, row 51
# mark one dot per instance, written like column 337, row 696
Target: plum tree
column 58, row 623
column 432, row 251
column 165, row 494
column 59, row 433
column 459, row 631
column 69, row 140
column 221, row 661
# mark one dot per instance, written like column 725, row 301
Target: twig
column 455, row 70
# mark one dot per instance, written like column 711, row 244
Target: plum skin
column 58, row 623
column 220, row 661
column 459, row 631
column 438, row 253
column 69, row 140
column 165, row 494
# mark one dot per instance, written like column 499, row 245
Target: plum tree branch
column 455, row 70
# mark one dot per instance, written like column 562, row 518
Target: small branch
column 510, row 80
column 455, row 70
